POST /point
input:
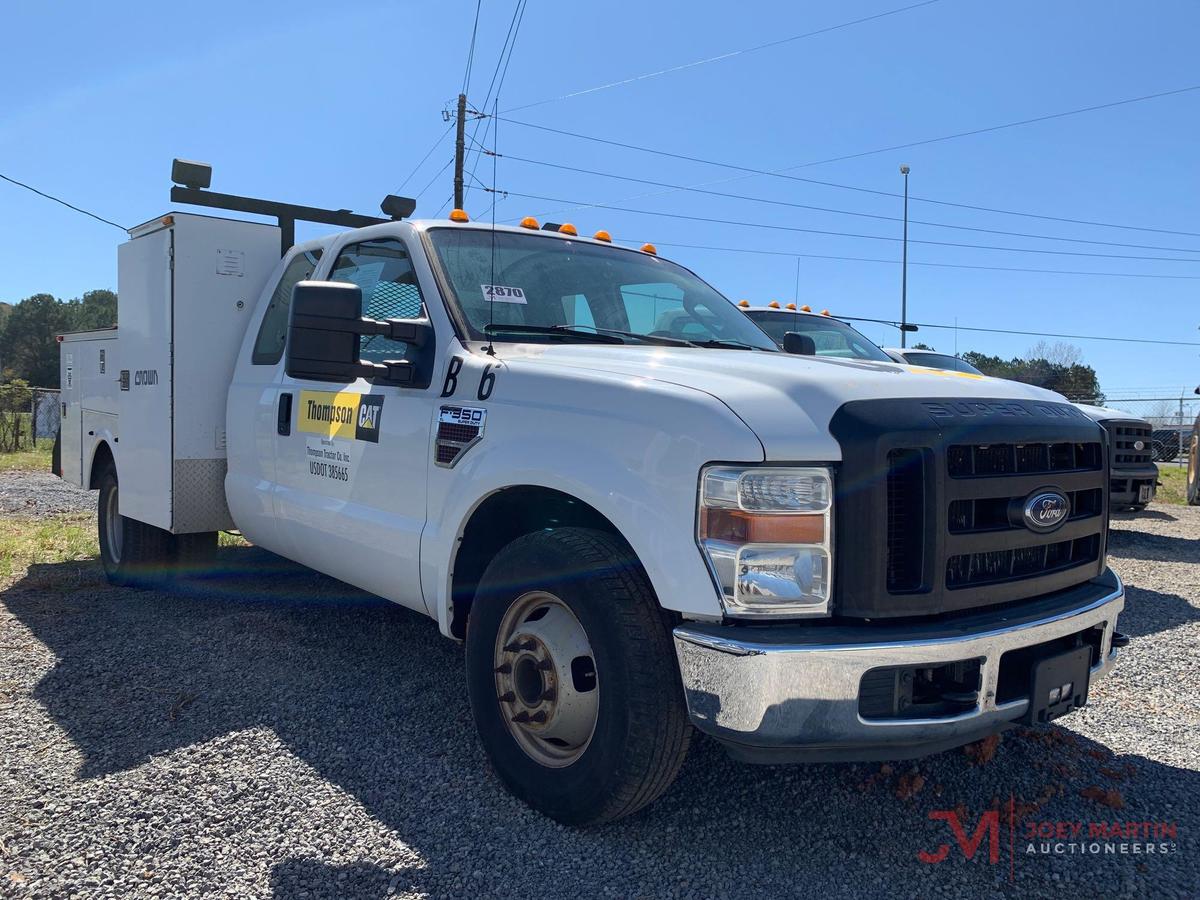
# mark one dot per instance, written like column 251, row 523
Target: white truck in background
column 639, row 514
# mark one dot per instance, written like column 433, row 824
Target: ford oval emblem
column 1046, row 511
column 1139, row 445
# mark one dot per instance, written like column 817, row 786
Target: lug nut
column 539, row 717
column 544, row 665
column 549, row 694
column 508, row 697
column 521, row 717
column 504, row 669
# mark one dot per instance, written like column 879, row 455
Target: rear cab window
column 383, row 271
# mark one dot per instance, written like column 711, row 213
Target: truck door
column 351, row 473
column 256, row 411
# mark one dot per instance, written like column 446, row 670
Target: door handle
column 283, row 422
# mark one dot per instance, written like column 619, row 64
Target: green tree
column 1063, row 373
column 95, row 309
column 921, row 345
column 29, row 348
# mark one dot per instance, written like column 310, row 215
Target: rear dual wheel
column 572, row 677
column 136, row 554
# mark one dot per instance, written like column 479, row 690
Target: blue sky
column 334, row 106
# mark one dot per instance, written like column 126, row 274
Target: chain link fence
column 29, row 417
column 1171, row 418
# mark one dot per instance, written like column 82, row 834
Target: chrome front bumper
column 791, row 693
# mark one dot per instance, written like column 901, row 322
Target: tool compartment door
column 145, row 397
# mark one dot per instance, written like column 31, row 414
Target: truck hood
column 787, row 400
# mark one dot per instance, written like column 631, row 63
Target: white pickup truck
column 640, row 515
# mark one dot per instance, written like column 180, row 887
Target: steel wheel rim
column 545, row 679
column 112, row 526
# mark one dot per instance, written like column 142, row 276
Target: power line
column 428, row 154
column 1073, row 337
column 436, row 176
column 896, row 262
column 841, row 212
column 471, row 50
column 500, row 72
column 722, row 56
column 871, row 237
column 77, row 209
column 782, row 173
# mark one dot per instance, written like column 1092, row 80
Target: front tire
column 572, row 677
column 132, row 552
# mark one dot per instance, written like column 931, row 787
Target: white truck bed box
column 88, row 377
column 187, row 286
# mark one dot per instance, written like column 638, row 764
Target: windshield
column 941, row 361
column 551, row 289
column 831, row 336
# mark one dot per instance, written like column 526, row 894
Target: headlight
column 767, row 535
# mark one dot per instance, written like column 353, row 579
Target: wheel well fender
column 501, row 518
column 102, row 458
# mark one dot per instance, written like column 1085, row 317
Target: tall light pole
column 904, row 268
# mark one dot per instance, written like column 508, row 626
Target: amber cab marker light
column 459, row 215
column 791, row 306
column 529, row 222
column 744, row 304
column 824, row 312
column 650, row 248
column 774, row 304
column 602, row 235
column 568, row 228
column 806, row 308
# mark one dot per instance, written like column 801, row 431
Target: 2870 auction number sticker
column 500, row 293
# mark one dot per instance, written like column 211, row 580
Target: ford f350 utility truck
column 639, row 514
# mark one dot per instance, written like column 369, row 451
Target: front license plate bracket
column 1059, row 684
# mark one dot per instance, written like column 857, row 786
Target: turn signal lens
column 529, row 222
column 767, row 535
column 602, row 236
column 459, row 215
column 568, row 228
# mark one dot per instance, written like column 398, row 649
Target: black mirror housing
column 325, row 332
column 801, row 344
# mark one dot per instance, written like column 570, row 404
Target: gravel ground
column 270, row 732
column 41, row 494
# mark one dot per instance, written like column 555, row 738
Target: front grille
column 905, row 519
column 982, row 460
column 940, row 487
column 996, row 566
column 1124, row 436
column 997, row 513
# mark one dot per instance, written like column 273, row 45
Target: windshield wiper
column 554, row 330
column 637, row 336
column 734, row 345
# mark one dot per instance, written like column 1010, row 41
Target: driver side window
column 384, row 273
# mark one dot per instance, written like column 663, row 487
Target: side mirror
column 795, row 342
column 1198, row 390
column 325, row 332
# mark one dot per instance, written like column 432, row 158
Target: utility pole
column 460, row 150
column 904, row 268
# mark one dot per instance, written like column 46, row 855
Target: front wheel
column 572, row 677
column 132, row 552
